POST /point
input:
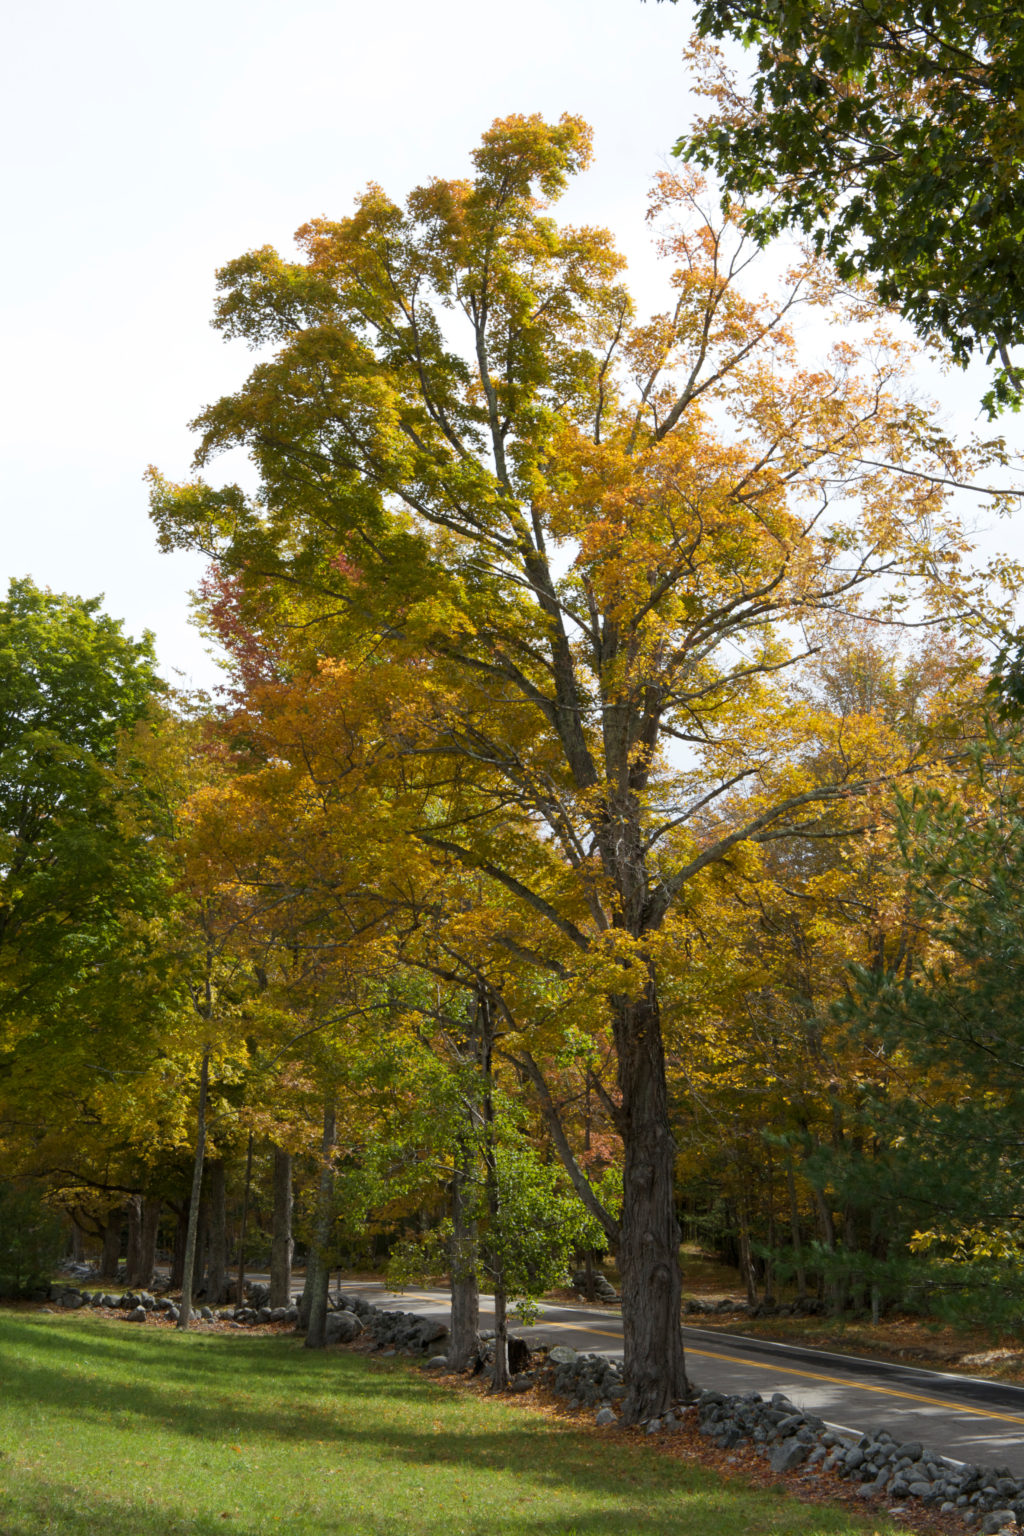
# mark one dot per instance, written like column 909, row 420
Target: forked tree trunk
column 282, row 1245
column 188, row 1267
column 111, row 1256
column 463, row 1266
column 654, row 1365
column 316, row 1330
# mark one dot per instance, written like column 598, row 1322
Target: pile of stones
column 603, row 1288
column 878, row 1463
column 251, row 1316
column 587, row 1380
column 390, row 1331
column 137, row 1305
column 804, row 1306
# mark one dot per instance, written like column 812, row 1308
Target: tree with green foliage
column 945, row 1025
column 893, row 133
column 70, row 683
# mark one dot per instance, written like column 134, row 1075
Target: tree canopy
column 893, row 132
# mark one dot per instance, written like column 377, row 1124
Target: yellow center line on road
column 863, row 1386
column 838, row 1381
column 761, row 1365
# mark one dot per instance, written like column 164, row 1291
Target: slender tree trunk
column 654, row 1364
column 149, row 1228
column 794, row 1226
column 111, row 1245
column 282, row 1245
column 217, row 1274
column 185, row 1310
column 463, row 1264
column 133, row 1261
column 240, row 1285
column 500, row 1336
column 746, row 1253
column 178, row 1251
column 316, row 1330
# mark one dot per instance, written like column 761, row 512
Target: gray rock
column 137, row 1315
column 606, row 1417
column 521, row 1382
column 72, row 1300
column 563, row 1355
column 342, row 1327
column 653, row 1426
column 437, row 1363
column 998, row 1520
column 787, row 1456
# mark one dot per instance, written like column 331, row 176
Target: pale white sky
column 147, row 144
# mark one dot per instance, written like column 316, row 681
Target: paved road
column 961, row 1417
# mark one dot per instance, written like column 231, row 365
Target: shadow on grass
column 380, row 1421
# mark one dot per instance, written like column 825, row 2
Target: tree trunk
column 178, row 1251
column 316, row 1330
column 133, row 1262
column 149, row 1228
column 240, row 1283
column 185, row 1310
column 463, row 1266
column 309, row 1285
column 794, row 1226
column 217, row 1273
column 282, row 1245
column 500, row 1383
column 111, row 1245
column 654, row 1364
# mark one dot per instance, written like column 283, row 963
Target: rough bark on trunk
column 111, row 1255
column 316, row 1329
column 463, row 1266
column 133, row 1260
column 282, row 1244
column 185, row 1310
column 654, row 1364
column 217, row 1274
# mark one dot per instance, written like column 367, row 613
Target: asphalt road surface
column 961, row 1417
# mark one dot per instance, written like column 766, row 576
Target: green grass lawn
column 112, row 1430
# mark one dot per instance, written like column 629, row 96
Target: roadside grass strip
column 105, row 1429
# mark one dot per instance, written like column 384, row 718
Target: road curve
column 966, row 1418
